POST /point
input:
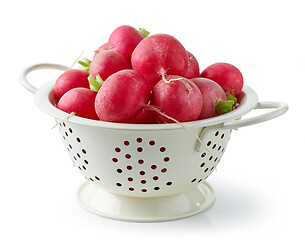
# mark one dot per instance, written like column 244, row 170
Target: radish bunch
column 137, row 78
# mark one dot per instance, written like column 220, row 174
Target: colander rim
column 247, row 103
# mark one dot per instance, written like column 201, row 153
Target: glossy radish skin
column 122, row 97
column 193, row 67
column 79, row 100
column 226, row 75
column 108, row 62
column 157, row 55
column 70, row 79
column 180, row 99
column 124, row 40
column 211, row 93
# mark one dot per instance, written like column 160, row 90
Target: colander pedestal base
column 137, row 209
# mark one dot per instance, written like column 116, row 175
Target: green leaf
column 144, row 32
column 85, row 64
column 231, row 97
column 95, row 84
column 224, row 107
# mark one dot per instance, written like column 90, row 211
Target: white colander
column 146, row 172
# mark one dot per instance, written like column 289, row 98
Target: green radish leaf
column 144, row 32
column 224, row 107
column 95, row 84
column 85, row 64
column 231, row 97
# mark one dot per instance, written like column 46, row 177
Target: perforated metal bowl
column 147, row 172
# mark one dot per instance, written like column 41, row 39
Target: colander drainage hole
column 169, row 183
column 70, row 130
column 162, row 149
column 86, row 161
column 194, row 180
column 128, row 156
column 139, row 140
column 166, row 159
column 97, row 178
column 119, row 184
column 78, row 140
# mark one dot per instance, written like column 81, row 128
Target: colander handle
column 280, row 108
column 23, row 77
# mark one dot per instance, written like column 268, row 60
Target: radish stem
column 95, row 84
column 144, row 32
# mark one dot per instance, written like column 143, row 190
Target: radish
column 178, row 98
column 146, row 116
column 158, row 55
column 105, row 46
column 211, row 94
column 80, row 101
column 193, row 67
column 106, row 63
column 124, row 39
column 122, row 97
column 226, row 75
column 70, row 79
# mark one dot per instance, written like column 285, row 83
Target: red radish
column 211, row 93
column 159, row 54
column 108, row 62
column 177, row 97
column 105, row 46
column 193, row 67
column 123, row 39
column 79, row 100
column 146, row 116
column 122, row 97
column 226, row 75
column 70, row 79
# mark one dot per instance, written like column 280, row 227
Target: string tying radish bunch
column 139, row 78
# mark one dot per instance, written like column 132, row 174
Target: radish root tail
column 188, row 87
column 65, row 119
column 153, row 108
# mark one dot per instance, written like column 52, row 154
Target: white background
column 259, row 183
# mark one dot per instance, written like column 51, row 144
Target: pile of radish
column 139, row 78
